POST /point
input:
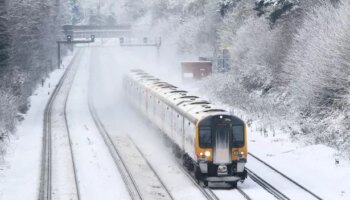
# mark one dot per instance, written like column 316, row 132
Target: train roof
column 191, row 106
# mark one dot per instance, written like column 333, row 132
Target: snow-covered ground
column 312, row 166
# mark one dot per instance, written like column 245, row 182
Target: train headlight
column 205, row 155
column 241, row 154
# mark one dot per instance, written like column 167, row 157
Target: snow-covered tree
column 29, row 30
column 4, row 37
column 318, row 69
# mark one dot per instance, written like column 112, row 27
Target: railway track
column 71, row 148
column 246, row 196
column 130, row 181
column 207, row 192
column 45, row 190
column 274, row 190
column 150, row 166
column 260, row 181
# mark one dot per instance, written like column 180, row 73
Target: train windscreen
column 237, row 136
column 222, row 144
column 205, row 137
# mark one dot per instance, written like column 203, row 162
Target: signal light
column 69, row 38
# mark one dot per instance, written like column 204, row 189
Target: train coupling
column 222, row 170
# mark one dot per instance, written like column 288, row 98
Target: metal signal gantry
column 70, row 41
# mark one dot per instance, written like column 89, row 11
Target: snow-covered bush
column 318, row 70
column 8, row 112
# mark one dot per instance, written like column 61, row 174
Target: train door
column 222, row 153
column 182, row 136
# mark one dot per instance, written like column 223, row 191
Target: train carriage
column 211, row 142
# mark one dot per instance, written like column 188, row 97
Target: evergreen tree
column 4, row 37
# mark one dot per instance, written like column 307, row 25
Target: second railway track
column 60, row 93
column 275, row 189
column 135, row 188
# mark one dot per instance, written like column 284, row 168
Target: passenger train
column 212, row 143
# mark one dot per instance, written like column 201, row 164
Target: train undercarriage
column 206, row 172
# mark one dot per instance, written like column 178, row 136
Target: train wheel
column 197, row 174
column 205, row 183
column 190, row 167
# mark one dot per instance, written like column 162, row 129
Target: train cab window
column 237, row 136
column 205, row 137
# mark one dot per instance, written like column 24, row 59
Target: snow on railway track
column 275, row 182
column 244, row 194
column 58, row 173
column 207, row 192
column 139, row 177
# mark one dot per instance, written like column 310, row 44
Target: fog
column 108, row 66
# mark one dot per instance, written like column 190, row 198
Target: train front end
column 221, row 149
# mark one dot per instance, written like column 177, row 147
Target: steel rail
column 286, row 177
column 260, row 181
column 71, row 145
column 246, row 196
column 207, row 192
column 128, row 179
column 150, row 166
column 46, row 160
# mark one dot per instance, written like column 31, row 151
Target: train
column 211, row 142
